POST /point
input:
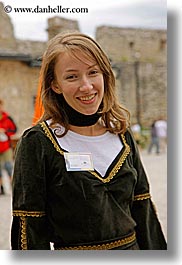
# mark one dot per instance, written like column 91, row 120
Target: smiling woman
column 74, row 69
column 78, row 179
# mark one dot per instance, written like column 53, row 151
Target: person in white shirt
column 161, row 130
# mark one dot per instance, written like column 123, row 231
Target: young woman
column 78, row 179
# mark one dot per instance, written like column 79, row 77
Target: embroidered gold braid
column 49, row 135
column 23, row 233
column 117, row 166
column 141, row 197
column 23, row 215
column 113, row 171
column 28, row 213
column 114, row 244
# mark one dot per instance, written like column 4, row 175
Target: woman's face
column 80, row 81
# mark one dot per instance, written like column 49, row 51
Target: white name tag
column 78, row 161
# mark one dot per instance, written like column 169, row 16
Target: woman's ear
column 55, row 87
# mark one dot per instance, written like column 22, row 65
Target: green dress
column 80, row 210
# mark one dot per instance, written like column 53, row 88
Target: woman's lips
column 87, row 99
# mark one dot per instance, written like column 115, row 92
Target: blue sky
column 121, row 13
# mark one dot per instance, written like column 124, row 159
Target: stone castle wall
column 18, row 88
column 58, row 24
column 127, row 44
column 152, row 91
column 6, row 27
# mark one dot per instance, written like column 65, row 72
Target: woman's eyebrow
column 76, row 70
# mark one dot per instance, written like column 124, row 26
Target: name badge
column 78, row 161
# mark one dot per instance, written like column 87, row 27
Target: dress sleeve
column 29, row 227
column 148, row 229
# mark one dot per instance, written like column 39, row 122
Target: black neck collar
column 76, row 118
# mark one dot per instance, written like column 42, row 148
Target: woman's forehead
column 77, row 55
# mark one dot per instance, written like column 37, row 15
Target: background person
column 7, row 129
column 161, row 127
column 136, row 129
column 78, row 179
column 154, row 139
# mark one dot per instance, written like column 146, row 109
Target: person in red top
column 7, row 129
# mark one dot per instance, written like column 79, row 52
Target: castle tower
column 57, row 25
column 7, row 38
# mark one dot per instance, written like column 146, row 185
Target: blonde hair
column 114, row 116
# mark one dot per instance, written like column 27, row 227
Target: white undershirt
column 104, row 148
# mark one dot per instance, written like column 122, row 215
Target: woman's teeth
column 87, row 97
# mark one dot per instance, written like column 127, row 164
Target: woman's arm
column 148, row 229
column 29, row 226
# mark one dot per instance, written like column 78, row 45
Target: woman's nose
column 85, row 85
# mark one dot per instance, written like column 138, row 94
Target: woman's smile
column 87, row 99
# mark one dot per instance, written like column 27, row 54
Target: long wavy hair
column 115, row 117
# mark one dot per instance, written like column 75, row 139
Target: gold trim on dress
column 23, row 223
column 23, row 233
column 115, row 168
column 28, row 213
column 107, row 246
column 49, row 135
column 141, row 197
column 118, row 165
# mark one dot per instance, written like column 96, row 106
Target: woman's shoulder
column 130, row 139
column 34, row 130
column 34, row 134
column 128, row 134
column 32, row 138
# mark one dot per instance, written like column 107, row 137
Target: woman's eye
column 93, row 72
column 69, row 77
